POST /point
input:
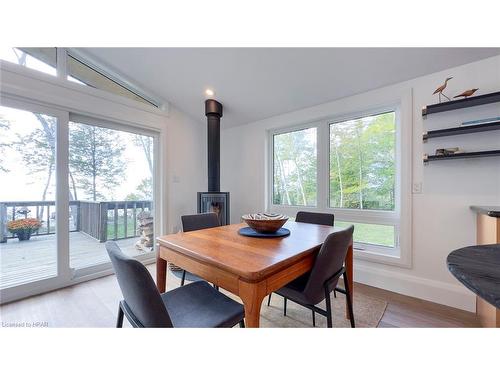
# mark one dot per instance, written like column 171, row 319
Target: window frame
column 400, row 218
column 285, row 131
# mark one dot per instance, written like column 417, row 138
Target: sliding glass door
column 68, row 184
column 111, row 191
column 28, row 242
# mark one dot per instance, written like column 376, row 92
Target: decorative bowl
column 265, row 223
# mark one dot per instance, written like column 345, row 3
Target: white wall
column 187, row 165
column 441, row 218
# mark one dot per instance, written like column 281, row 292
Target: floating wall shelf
column 464, row 155
column 493, row 97
column 462, row 130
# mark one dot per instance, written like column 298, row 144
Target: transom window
column 83, row 73
column 74, row 69
column 41, row 59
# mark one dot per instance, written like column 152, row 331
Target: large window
column 363, row 172
column 349, row 167
column 295, row 164
column 362, row 163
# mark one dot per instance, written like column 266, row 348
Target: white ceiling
column 257, row 83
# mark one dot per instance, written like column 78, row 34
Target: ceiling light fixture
column 209, row 92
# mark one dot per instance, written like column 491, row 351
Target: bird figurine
column 466, row 93
column 441, row 88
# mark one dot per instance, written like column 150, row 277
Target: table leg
column 252, row 295
column 350, row 276
column 161, row 273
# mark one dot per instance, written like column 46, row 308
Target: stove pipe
column 213, row 111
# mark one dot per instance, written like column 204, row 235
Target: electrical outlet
column 417, row 188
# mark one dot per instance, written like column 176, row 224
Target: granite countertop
column 493, row 211
column 478, row 268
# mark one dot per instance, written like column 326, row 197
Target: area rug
column 368, row 311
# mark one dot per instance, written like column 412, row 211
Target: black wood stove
column 214, row 200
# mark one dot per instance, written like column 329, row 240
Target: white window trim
column 400, row 218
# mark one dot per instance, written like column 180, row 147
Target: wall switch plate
column 417, row 188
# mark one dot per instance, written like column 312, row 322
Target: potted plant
column 22, row 228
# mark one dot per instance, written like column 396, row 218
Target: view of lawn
column 121, row 228
column 371, row 233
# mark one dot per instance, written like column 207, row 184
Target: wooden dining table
column 248, row 267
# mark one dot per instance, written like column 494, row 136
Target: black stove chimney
column 213, row 111
column 214, row 200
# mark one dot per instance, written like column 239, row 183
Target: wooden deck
column 26, row 261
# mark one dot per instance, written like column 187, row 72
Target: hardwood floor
column 94, row 304
column 408, row 312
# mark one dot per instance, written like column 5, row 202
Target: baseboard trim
column 418, row 287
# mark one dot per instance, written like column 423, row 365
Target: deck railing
column 100, row 220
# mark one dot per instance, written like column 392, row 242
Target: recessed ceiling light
column 209, row 92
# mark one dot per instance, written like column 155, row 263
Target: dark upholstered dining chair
column 194, row 305
column 197, row 222
column 311, row 218
column 315, row 286
column 315, row 218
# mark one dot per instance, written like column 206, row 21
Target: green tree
column 39, row 147
column 38, row 150
column 96, row 159
column 143, row 191
column 362, row 169
column 295, row 168
column 146, row 144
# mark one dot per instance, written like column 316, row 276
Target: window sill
column 389, row 256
